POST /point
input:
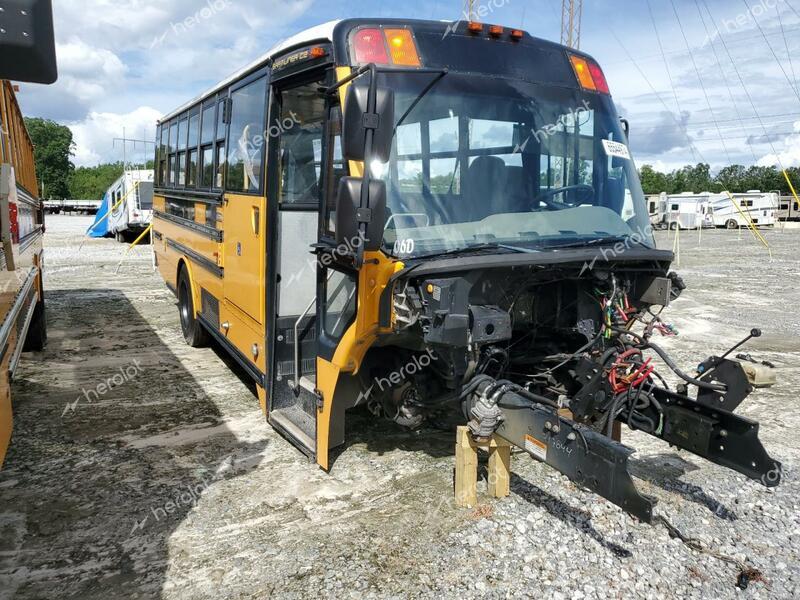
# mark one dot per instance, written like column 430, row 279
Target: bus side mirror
column 357, row 119
column 349, row 215
column 27, row 46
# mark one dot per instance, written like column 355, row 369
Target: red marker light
column 599, row 77
column 369, row 47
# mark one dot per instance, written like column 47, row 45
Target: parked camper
column 788, row 209
column 684, row 211
column 130, row 200
column 753, row 206
column 653, row 203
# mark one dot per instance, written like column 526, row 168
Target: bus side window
column 337, row 168
column 340, row 303
column 301, row 131
column 247, row 137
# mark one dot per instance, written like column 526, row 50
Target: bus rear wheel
column 731, row 224
column 674, row 225
column 193, row 331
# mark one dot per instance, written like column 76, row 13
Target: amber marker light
column 402, row 47
column 582, row 72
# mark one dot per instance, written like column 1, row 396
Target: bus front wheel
column 732, row 224
column 193, row 331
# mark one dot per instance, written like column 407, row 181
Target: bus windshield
column 480, row 160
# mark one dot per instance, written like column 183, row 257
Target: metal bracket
column 364, row 215
column 371, row 120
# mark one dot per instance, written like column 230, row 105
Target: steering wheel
column 546, row 196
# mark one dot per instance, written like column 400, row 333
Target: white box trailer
column 133, row 193
column 754, row 206
column 684, row 211
column 788, row 209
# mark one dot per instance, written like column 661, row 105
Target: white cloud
column 112, row 75
column 94, row 136
column 789, row 156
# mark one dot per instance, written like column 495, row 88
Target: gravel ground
column 169, row 484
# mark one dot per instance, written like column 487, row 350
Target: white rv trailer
column 753, row 206
column 788, row 209
column 684, row 211
column 135, row 213
column 653, row 202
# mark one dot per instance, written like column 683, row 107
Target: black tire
column 36, row 339
column 193, row 332
column 120, row 236
column 731, row 224
column 674, row 225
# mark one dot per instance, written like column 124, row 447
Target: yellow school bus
column 21, row 256
column 489, row 266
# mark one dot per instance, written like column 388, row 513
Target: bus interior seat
column 485, row 186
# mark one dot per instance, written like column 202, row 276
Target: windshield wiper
column 480, row 248
column 419, row 98
column 601, row 241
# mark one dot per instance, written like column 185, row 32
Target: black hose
column 717, row 387
column 671, row 364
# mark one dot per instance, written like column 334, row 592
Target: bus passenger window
column 247, row 137
column 181, row 176
column 220, row 162
column 191, row 175
column 206, row 167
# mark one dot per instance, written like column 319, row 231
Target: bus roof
column 331, row 32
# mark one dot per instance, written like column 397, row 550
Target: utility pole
column 469, row 10
column 125, row 141
column 571, row 15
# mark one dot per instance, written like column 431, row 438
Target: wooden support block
column 500, row 471
column 466, row 489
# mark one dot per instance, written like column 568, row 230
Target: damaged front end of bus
column 528, row 291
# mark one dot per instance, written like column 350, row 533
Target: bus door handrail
column 296, row 382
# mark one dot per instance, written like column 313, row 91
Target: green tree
column 653, row 182
column 90, row 183
column 53, row 148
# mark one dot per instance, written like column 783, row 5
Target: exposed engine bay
column 554, row 356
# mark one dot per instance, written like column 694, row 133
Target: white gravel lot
column 170, row 485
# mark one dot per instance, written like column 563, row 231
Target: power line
column 699, row 78
column 788, row 51
column 669, row 73
column 695, row 151
column 774, row 55
column 744, row 86
column 724, row 75
column 682, row 52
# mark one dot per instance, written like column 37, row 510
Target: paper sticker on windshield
column 616, row 150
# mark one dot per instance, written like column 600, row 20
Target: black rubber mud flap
column 588, row 458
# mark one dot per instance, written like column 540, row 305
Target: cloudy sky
column 710, row 80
